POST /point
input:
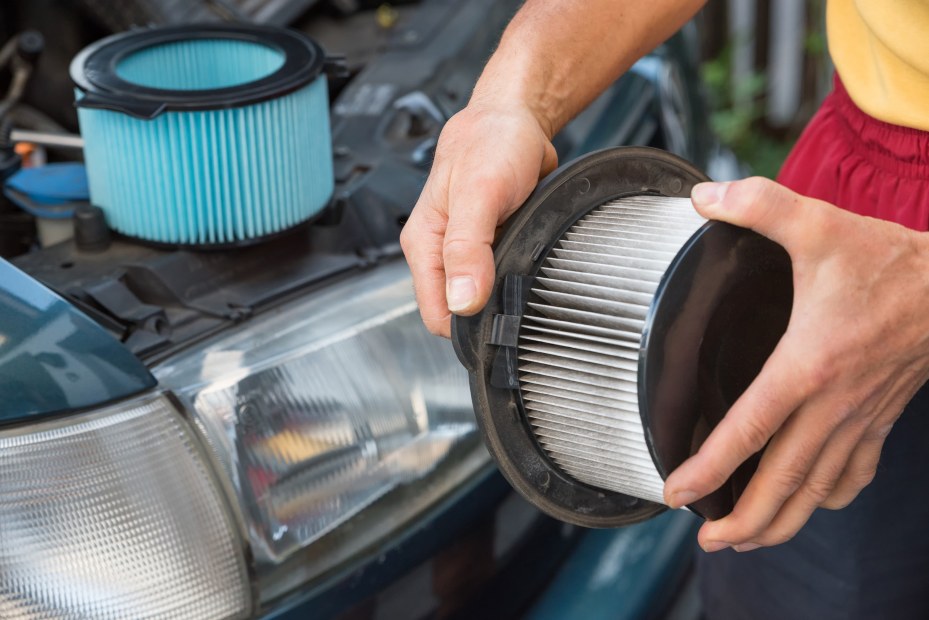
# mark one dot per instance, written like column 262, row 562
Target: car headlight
column 318, row 410
column 270, row 454
column 116, row 514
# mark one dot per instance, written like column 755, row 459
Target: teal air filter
column 205, row 135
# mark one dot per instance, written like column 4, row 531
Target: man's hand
column 487, row 162
column 855, row 352
column 554, row 58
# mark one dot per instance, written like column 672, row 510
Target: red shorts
column 866, row 166
column 870, row 560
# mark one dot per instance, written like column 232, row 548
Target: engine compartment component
column 620, row 331
column 205, row 135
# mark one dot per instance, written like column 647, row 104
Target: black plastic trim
column 93, row 70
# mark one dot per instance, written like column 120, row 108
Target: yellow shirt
column 881, row 51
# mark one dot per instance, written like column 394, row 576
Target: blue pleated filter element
column 209, row 176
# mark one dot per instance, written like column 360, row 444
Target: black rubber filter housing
column 717, row 312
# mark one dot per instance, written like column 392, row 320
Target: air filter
column 621, row 329
column 205, row 135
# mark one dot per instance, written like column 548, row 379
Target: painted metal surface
column 53, row 358
column 624, row 574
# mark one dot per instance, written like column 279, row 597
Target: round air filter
column 207, row 134
column 621, row 329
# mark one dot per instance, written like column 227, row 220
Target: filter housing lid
column 94, row 70
column 691, row 367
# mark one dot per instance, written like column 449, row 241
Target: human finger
column 477, row 198
column 421, row 240
column 764, row 206
column 776, row 505
column 862, row 464
column 779, row 389
column 783, row 467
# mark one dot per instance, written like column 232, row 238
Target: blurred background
column 765, row 69
column 765, row 64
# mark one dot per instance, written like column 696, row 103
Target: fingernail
column 704, row 194
column 746, row 547
column 681, row 498
column 715, row 545
column 460, row 293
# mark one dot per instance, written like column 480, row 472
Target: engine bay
column 409, row 70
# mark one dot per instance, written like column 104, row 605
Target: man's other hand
column 853, row 355
column 487, row 162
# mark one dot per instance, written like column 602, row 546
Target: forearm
column 556, row 56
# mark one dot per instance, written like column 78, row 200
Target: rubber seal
column 93, row 70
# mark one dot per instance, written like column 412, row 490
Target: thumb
column 474, row 212
column 760, row 204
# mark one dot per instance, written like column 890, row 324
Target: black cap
column 91, row 234
column 93, row 70
column 29, row 45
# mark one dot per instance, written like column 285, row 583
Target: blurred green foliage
column 738, row 109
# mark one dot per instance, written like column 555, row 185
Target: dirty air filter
column 621, row 329
column 203, row 135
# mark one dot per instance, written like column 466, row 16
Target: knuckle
column 862, row 478
column 407, row 240
column 752, row 189
column 818, row 489
column 750, row 192
column 845, row 411
column 710, row 478
column 494, row 188
column 822, row 220
column 878, row 432
column 754, row 434
column 851, row 487
column 787, row 480
column 819, row 374
column 457, row 250
column 746, row 531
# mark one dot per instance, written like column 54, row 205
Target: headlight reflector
column 318, row 409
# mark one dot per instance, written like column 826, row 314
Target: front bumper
column 486, row 553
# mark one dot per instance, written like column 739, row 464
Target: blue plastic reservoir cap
column 53, row 358
column 52, row 184
column 49, row 191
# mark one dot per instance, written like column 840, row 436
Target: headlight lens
column 320, row 408
column 116, row 514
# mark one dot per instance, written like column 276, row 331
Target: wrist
column 517, row 80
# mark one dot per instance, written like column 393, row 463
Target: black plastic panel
column 719, row 311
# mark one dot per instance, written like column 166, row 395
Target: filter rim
column 480, row 341
column 93, row 70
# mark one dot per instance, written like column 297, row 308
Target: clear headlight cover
column 116, row 514
column 320, row 408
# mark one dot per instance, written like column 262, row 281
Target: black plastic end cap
column 29, row 45
column 91, row 233
column 719, row 312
